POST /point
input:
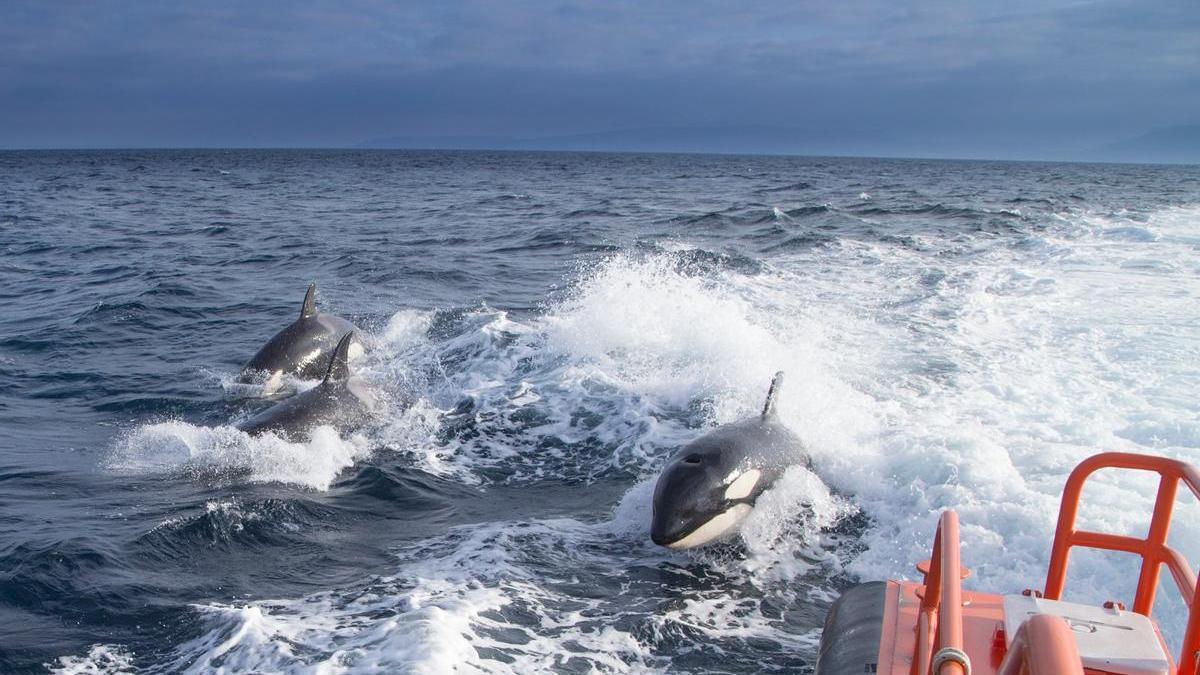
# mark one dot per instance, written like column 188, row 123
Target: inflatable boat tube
column 853, row 629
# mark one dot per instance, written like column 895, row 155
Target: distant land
column 1170, row 145
column 749, row 139
column 724, row 139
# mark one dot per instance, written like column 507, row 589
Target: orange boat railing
column 1043, row 646
column 941, row 605
column 1040, row 647
column 1153, row 549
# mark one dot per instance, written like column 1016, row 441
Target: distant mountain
column 1170, row 145
column 441, row 143
column 1173, row 145
column 726, row 139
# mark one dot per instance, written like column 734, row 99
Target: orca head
column 700, row 497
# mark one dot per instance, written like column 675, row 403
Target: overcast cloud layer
column 1003, row 79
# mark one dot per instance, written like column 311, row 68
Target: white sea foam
column 444, row 612
column 921, row 378
column 182, row 447
column 916, row 384
column 921, row 385
column 481, row 598
column 784, row 533
column 1003, row 374
column 100, row 659
column 606, row 380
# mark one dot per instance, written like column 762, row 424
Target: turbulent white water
column 950, row 372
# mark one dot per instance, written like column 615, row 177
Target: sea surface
column 545, row 329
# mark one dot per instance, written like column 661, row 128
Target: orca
column 710, row 485
column 342, row 401
column 302, row 348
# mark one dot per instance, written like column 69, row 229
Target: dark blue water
column 548, row 327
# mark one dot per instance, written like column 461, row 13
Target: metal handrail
column 941, row 604
column 1043, row 645
column 1153, row 549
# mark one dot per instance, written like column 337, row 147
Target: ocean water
column 545, row 330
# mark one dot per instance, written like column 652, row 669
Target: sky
column 1017, row 78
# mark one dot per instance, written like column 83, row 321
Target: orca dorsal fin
column 339, row 363
column 772, row 394
column 309, row 309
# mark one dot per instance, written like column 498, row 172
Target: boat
column 934, row 627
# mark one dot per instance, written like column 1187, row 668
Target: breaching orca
column 710, row 485
column 302, row 349
column 341, row 401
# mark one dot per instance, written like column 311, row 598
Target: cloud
column 323, row 73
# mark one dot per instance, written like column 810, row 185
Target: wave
column 231, row 525
column 791, row 187
column 693, row 261
column 924, row 373
column 178, row 447
column 642, row 351
column 57, row 575
column 592, row 213
column 936, row 209
column 541, row 595
column 712, row 219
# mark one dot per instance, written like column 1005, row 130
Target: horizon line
column 360, row 148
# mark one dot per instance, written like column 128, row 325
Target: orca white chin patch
column 741, row 486
column 717, row 527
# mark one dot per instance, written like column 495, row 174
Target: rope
column 947, row 654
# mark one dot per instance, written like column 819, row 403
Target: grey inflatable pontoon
column 853, row 629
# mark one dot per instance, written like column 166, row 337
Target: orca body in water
column 301, row 349
column 342, row 401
